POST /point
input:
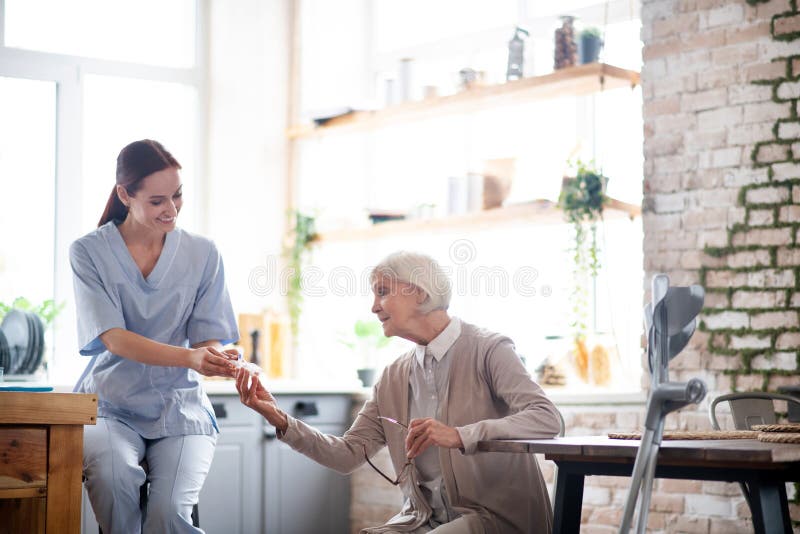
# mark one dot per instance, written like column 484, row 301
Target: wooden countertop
column 44, row 408
column 600, row 448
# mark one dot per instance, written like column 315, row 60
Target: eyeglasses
column 395, row 421
column 404, row 469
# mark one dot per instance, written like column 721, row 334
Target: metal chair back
column 750, row 408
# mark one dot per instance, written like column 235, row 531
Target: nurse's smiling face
column 157, row 203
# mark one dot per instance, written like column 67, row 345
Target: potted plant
column 591, row 43
column 582, row 200
column 367, row 339
column 46, row 313
column 47, row 310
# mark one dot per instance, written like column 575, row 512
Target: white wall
column 248, row 81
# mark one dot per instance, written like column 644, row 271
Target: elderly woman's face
column 395, row 304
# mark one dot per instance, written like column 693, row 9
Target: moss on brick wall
column 757, row 320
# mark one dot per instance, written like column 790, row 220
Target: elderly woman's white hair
column 421, row 271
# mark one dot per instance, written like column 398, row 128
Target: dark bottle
column 516, row 55
column 254, row 335
column 566, row 50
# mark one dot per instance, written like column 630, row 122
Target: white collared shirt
column 428, row 383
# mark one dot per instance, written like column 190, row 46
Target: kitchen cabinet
column 258, row 484
column 41, row 439
column 303, row 496
column 231, row 499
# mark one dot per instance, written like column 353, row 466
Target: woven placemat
column 785, row 427
column 779, row 437
column 688, row 434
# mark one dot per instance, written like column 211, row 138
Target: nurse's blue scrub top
column 182, row 302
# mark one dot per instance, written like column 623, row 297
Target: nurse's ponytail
column 135, row 162
column 115, row 209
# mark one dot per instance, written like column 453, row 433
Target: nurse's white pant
column 112, row 454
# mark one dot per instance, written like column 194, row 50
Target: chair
column 750, row 408
column 747, row 409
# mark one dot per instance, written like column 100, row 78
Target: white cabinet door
column 303, row 496
column 231, row 498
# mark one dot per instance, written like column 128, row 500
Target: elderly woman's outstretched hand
column 422, row 433
column 255, row 396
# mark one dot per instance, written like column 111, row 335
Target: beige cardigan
column 491, row 396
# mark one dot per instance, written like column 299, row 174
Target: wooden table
column 765, row 467
column 41, row 460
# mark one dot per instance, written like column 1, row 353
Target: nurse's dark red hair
column 135, row 162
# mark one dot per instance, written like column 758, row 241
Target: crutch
column 670, row 321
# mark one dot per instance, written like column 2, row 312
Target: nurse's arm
column 205, row 359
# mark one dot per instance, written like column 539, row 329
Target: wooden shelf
column 537, row 211
column 571, row 81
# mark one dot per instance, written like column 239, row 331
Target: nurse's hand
column 253, row 395
column 209, row 361
column 422, row 433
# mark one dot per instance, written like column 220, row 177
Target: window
column 117, row 111
column 27, row 188
column 514, row 278
column 78, row 81
column 145, row 31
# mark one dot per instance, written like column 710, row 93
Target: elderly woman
column 459, row 385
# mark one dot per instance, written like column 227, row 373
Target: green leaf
column 582, row 200
column 47, row 310
column 370, row 332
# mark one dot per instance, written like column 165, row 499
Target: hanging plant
column 302, row 234
column 582, row 199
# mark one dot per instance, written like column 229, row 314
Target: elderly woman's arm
column 344, row 454
column 531, row 414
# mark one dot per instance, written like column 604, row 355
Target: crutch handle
column 692, row 391
column 671, row 396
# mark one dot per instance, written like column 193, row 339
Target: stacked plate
column 5, row 352
column 21, row 342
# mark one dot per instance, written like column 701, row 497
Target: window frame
column 68, row 71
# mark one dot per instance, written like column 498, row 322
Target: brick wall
column 721, row 85
column 721, row 82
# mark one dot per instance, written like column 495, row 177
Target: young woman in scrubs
column 154, row 313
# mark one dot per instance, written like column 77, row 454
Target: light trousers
column 177, row 468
